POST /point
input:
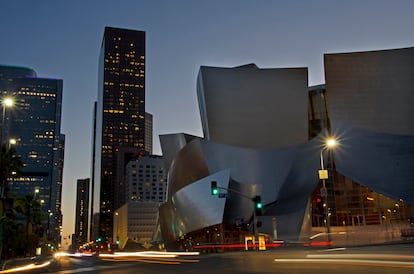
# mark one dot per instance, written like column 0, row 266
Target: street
column 397, row 258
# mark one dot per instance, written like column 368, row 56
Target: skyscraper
column 82, row 205
column 34, row 124
column 120, row 115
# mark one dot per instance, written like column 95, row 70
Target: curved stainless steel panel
column 239, row 104
column 188, row 166
column 195, row 207
column 171, row 144
column 383, row 162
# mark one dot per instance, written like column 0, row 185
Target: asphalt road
column 395, row 259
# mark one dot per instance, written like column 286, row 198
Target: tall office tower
column 120, row 115
column 33, row 123
column 82, row 212
column 92, row 225
column 148, row 133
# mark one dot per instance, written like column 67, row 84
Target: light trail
column 136, row 254
column 155, row 257
column 77, row 254
column 26, row 267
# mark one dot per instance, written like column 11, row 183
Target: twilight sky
column 61, row 39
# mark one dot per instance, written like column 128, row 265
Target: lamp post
column 330, row 143
column 117, row 228
column 36, row 192
column 50, row 214
column 5, row 103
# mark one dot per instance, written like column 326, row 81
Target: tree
column 11, row 166
column 30, row 208
column 14, row 245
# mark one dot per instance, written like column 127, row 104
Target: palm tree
column 30, row 208
column 11, row 166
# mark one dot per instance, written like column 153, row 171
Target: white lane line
column 332, row 249
column 347, row 261
column 365, row 256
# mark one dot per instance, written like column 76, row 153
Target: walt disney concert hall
column 264, row 135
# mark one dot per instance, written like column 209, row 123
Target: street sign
column 323, row 174
column 222, row 195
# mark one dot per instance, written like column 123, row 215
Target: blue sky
column 61, row 39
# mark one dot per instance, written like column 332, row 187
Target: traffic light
column 214, row 189
column 319, row 205
column 258, row 206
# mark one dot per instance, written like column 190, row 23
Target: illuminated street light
column 8, row 102
column 12, row 142
column 330, row 143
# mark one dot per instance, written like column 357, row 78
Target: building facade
column 34, row 123
column 134, row 224
column 146, row 188
column 148, row 133
column 120, row 116
column 260, row 161
column 369, row 97
column 146, row 180
column 82, row 211
column 366, row 104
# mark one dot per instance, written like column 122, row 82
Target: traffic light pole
column 254, row 199
column 324, row 193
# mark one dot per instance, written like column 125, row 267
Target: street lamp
column 330, row 143
column 12, row 142
column 50, row 214
column 36, row 191
column 5, row 103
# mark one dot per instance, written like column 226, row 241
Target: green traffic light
column 258, row 203
column 214, row 188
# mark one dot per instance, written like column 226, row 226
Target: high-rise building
column 145, row 190
column 146, row 180
column 34, row 124
column 148, row 133
column 82, row 212
column 120, row 115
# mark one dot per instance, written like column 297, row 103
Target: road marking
column 332, row 249
column 359, row 256
column 354, row 262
